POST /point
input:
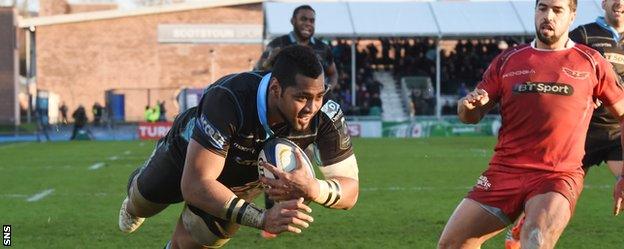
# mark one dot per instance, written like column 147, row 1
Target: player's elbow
column 352, row 202
column 187, row 189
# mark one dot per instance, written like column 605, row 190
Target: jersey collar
column 261, row 103
column 569, row 44
column 602, row 22
column 293, row 38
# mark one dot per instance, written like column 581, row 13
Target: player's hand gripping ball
column 280, row 152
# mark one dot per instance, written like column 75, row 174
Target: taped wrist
column 329, row 192
column 241, row 212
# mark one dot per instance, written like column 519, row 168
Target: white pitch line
column 97, row 166
column 127, row 152
column 422, row 188
column 14, row 145
column 40, row 195
column 113, row 158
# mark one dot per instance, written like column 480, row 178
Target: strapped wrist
column 244, row 213
column 329, row 192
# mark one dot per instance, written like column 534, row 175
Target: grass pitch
column 408, row 189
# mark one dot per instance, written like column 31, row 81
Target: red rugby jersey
column 546, row 102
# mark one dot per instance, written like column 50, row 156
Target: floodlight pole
column 353, row 54
column 438, row 74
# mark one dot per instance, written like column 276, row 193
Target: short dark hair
column 573, row 4
column 294, row 60
column 302, row 7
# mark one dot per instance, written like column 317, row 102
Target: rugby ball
column 280, row 152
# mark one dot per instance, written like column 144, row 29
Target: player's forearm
column 469, row 116
column 349, row 192
column 208, row 195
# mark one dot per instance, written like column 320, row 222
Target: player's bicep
column 347, row 168
column 202, row 163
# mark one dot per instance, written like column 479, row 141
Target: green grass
column 408, row 190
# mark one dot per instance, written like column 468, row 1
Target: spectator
column 163, row 112
column 97, row 110
column 63, row 111
column 80, row 121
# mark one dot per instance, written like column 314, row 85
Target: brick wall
column 53, row 7
column 80, row 61
column 8, row 67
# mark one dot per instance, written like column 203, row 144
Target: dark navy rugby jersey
column 228, row 122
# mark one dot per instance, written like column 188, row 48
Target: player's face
column 303, row 23
column 297, row 104
column 614, row 11
column 552, row 20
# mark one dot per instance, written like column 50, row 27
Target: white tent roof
column 372, row 19
column 418, row 18
column 477, row 18
column 332, row 18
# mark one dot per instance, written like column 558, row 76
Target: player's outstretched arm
column 201, row 189
column 339, row 190
column 473, row 107
column 618, row 190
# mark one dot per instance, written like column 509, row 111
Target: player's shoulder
column 588, row 51
column 331, row 111
column 588, row 28
column 508, row 53
column 278, row 41
column 240, row 81
column 319, row 43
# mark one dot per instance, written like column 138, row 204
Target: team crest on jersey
column 579, row 75
column 483, row 183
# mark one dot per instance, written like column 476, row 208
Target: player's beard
column 546, row 40
column 300, row 35
column 292, row 123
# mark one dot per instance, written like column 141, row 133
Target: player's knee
column 140, row 206
column 534, row 238
column 447, row 242
column 205, row 229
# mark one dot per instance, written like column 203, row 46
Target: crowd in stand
column 463, row 62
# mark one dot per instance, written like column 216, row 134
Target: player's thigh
column 204, row 229
column 469, row 226
column 157, row 184
column 547, row 215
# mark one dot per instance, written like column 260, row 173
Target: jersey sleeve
column 578, row 35
column 608, row 88
column 217, row 120
column 333, row 140
column 491, row 81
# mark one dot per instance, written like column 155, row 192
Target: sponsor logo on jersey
column 214, row 136
column 243, row 148
column 518, row 73
column 483, row 183
column 602, row 45
column 332, row 110
column 544, row 87
column 579, row 75
column 614, row 58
